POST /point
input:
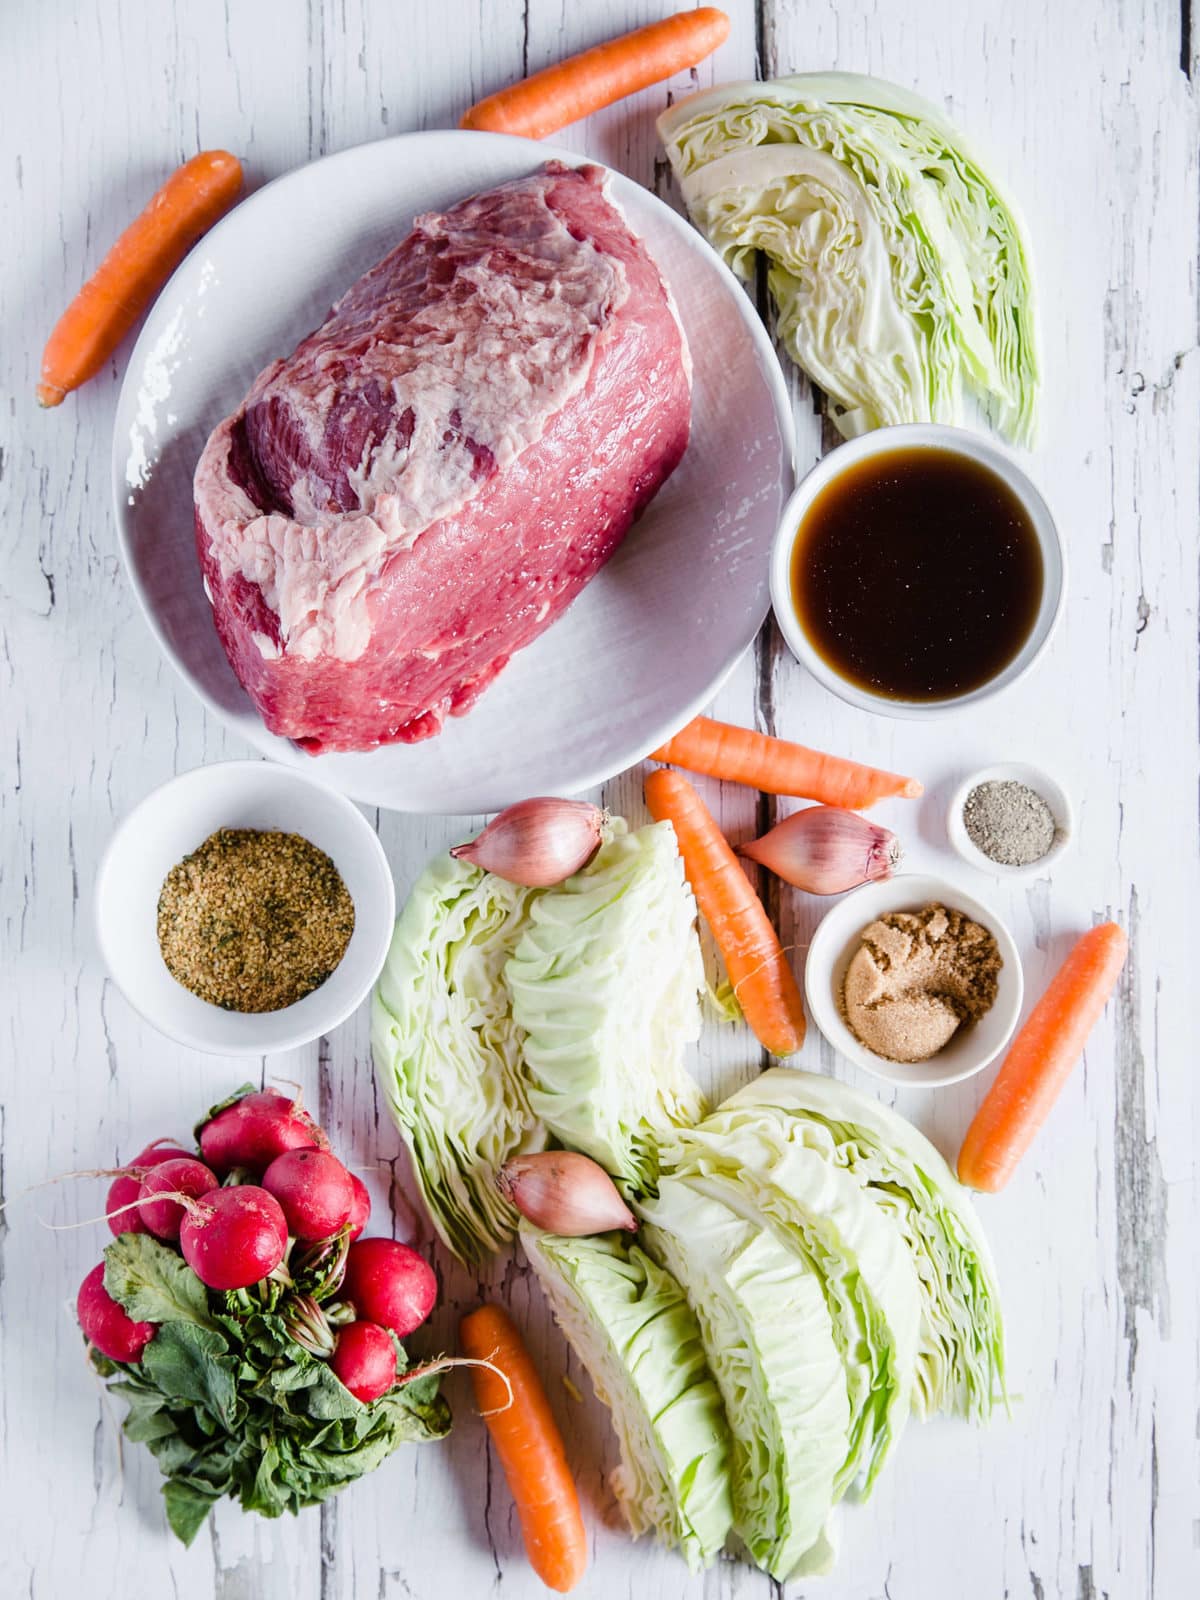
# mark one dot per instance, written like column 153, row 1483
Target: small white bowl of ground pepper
column 1010, row 820
column 243, row 908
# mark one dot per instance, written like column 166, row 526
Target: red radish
column 106, row 1324
column 257, row 1128
column 183, row 1175
column 233, row 1237
column 360, row 1209
column 365, row 1360
column 390, row 1284
column 123, row 1191
column 161, row 1150
column 315, row 1191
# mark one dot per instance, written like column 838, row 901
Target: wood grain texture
column 1091, row 1488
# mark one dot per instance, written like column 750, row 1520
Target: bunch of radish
column 265, row 1196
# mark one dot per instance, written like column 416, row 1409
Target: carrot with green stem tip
column 530, row 1447
column 552, row 99
column 758, row 969
column 777, row 766
column 1041, row 1059
column 135, row 269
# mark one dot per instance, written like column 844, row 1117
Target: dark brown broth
column 917, row 574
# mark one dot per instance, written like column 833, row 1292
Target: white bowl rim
column 1038, row 779
column 288, row 1039
column 916, row 888
column 929, row 435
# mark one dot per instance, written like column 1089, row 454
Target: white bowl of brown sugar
column 914, row 981
column 243, row 908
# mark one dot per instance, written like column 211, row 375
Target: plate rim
column 365, row 793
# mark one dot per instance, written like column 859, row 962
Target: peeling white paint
column 1091, row 1488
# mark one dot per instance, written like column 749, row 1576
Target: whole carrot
column 134, row 270
column 559, row 95
column 758, row 969
column 530, row 1448
column 777, row 766
column 1041, row 1059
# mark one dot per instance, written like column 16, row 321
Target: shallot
column 565, row 1193
column 825, row 850
column 537, row 843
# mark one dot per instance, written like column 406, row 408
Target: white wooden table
column 1091, row 1488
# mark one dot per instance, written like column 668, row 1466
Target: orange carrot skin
column 758, row 969
column 777, row 766
column 134, row 270
column 530, row 1448
column 557, row 96
column 1041, row 1059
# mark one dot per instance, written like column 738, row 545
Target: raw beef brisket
column 439, row 469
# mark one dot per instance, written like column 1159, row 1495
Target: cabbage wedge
column 448, row 1053
column 631, row 1327
column 606, row 984
column 899, row 270
column 767, row 1170
column 769, row 1341
column 960, row 1359
column 506, row 1017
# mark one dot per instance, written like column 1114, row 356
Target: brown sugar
column 917, row 978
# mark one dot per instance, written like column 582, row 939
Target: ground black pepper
column 1009, row 822
column 253, row 920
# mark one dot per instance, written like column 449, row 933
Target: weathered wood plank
column 1090, row 1489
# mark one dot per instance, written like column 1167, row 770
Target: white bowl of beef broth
column 917, row 570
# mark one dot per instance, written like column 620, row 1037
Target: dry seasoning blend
column 917, row 978
column 1009, row 822
column 253, row 920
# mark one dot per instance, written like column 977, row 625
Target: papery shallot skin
column 442, row 466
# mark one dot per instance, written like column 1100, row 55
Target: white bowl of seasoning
column 880, row 604
column 173, row 822
column 1016, row 836
column 837, row 939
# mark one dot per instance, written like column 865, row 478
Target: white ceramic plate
column 651, row 638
